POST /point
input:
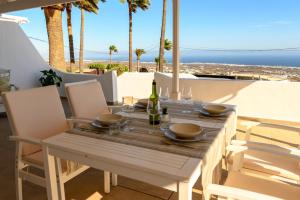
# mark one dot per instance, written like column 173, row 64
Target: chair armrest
column 236, row 193
column 26, row 139
column 239, row 146
column 280, row 126
column 252, row 123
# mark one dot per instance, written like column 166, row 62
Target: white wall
column 139, row 85
column 134, row 84
column 264, row 99
column 18, row 54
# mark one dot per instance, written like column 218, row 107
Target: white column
column 176, row 53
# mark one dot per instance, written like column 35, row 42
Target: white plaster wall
column 18, row 54
column 134, row 84
column 264, row 99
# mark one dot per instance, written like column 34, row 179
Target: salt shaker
column 164, row 120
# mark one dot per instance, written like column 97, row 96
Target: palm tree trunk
column 130, row 36
column 110, row 58
column 70, row 34
column 137, row 64
column 81, row 41
column 162, row 37
column 53, row 18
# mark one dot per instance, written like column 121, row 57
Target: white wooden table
column 166, row 170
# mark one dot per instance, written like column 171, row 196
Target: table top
column 157, row 162
column 168, row 161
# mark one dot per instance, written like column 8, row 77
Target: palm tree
column 157, row 60
column 112, row 49
column 162, row 37
column 133, row 5
column 89, row 6
column 53, row 16
column 167, row 46
column 70, row 35
column 139, row 53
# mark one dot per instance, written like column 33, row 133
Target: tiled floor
column 88, row 185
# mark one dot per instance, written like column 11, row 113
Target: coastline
column 251, row 72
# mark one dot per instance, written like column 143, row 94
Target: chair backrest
column 86, row 99
column 36, row 113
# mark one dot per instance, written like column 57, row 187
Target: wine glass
column 187, row 97
column 164, row 96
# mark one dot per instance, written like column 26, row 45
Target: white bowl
column 108, row 119
column 214, row 109
column 186, row 130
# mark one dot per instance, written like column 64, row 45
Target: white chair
column 87, row 101
column 34, row 115
column 267, row 164
column 246, row 187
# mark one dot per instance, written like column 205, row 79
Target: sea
column 279, row 59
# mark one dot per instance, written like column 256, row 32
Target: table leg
column 106, row 182
column 114, row 178
column 184, row 191
column 50, row 175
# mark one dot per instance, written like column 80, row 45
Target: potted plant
column 49, row 77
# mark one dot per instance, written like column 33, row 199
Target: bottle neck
column 154, row 89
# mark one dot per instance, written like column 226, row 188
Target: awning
column 15, row 5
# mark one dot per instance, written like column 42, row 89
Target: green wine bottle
column 154, row 117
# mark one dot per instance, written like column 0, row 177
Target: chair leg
column 19, row 193
column 60, row 182
column 106, row 182
column 18, row 166
column 114, row 178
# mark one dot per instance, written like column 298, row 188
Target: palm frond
column 89, row 5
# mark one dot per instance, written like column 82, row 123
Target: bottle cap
column 154, row 82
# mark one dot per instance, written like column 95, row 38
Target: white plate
column 169, row 134
column 212, row 115
column 97, row 125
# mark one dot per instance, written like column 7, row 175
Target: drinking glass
column 128, row 106
column 187, row 98
column 114, row 129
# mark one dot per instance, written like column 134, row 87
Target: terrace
column 274, row 103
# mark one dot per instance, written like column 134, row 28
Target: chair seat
column 37, row 159
column 263, row 186
column 272, row 164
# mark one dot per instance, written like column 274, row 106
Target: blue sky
column 226, row 24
